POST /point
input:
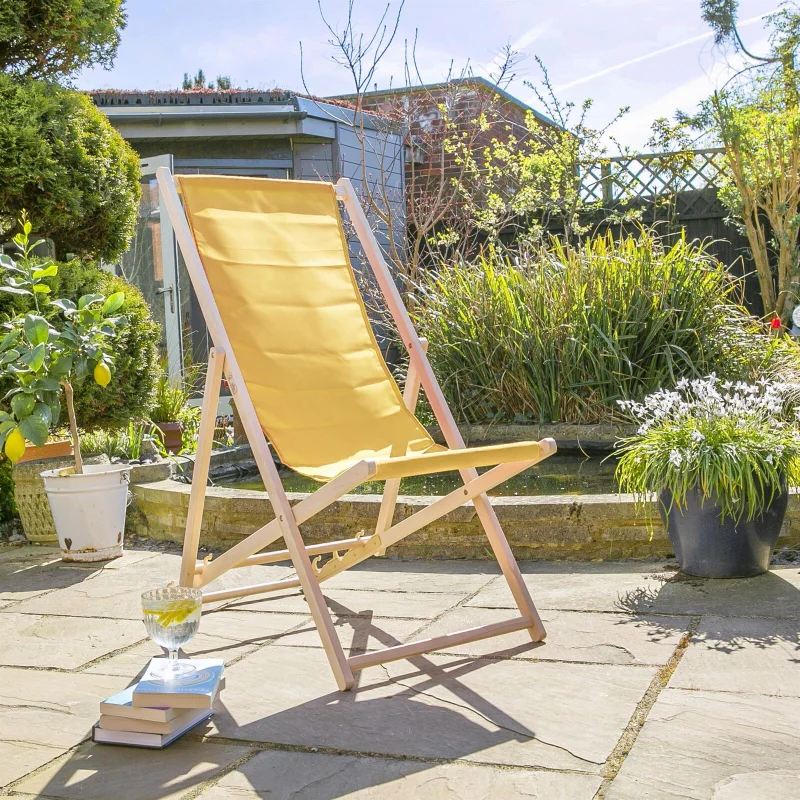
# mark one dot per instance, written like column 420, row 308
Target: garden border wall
column 576, row 527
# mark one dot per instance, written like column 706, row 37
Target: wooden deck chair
column 269, row 264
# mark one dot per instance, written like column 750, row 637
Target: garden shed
column 272, row 134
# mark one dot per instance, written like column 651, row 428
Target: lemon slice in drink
column 173, row 613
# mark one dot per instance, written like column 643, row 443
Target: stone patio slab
column 27, row 551
column 31, row 640
column 774, row 595
column 224, row 634
column 98, row 772
column 20, row 757
column 22, row 580
column 26, row 572
column 117, row 593
column 571, row 636
column 389, row 575
column 534, row 714
column 131, row 663
column 42, row 714
column 742, row 655
column 357, row 634
column 575, row 586
column 316, row 776
column 348, row 603
column 493, row 719
column 712, row 746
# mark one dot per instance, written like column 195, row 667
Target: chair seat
column 444, row 460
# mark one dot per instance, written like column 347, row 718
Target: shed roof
column 199, row 105
column 470, row 80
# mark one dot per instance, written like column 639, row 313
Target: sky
column 656, row 56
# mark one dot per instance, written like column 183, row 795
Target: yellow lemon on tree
column 15, row 445
column 102, row 374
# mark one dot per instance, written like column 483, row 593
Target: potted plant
column 47, row 361
column 720, row 457
column 171, row 411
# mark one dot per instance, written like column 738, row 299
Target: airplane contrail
column 653, row 54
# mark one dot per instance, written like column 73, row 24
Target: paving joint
column 262, row 747
column 631, row 733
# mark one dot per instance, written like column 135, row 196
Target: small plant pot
column 711, row 547
column 57, row 449
column 171, row 435
column 89, row 510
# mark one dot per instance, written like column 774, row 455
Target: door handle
column 169, row 289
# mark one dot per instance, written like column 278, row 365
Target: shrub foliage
column 135, row 348
column 567, row 332
column 52, row 38
column 63, row 162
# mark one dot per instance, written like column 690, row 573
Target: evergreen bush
column 63, row 163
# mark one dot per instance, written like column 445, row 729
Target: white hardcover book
column 121, row 705
column 151, row 740
column 110, row 723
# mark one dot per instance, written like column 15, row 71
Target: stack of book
column 156, row 711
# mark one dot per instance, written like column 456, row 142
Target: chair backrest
column 276, row 259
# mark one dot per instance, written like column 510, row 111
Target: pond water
column 560, row 474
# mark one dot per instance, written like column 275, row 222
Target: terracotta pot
column 239, row 436
column 58, row 449
column 171, row 435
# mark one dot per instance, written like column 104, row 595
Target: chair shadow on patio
column 381, row 716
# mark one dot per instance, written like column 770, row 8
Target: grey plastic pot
column 710, row 547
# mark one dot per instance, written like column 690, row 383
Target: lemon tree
column 47, row 360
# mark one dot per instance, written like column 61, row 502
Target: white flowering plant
column 738, row 443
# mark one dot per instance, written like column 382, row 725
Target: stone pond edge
column 576, row 527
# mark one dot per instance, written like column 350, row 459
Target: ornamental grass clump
column 737, row 443
column 563, row 333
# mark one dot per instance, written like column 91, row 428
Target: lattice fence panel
column 647, row 179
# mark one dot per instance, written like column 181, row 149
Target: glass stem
column 173, row 658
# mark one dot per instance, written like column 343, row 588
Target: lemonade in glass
column 172, row 617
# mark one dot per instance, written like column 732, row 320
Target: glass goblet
column 172, row 617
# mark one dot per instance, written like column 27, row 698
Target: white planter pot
column 89, row 510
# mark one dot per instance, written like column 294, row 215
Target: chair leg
column 202, row 461
column 505, row 558
column 316, row 604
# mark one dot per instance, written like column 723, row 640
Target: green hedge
column 136, row 366
column 8, row 506
column 63, row 162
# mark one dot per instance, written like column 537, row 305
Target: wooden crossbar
column 302, row 511
column 436, row 510
column 276, row 556
column 256, row 588
column 401, row 651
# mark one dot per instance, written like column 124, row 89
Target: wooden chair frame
column 222, row 362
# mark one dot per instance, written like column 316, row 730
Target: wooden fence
column 676, row 191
